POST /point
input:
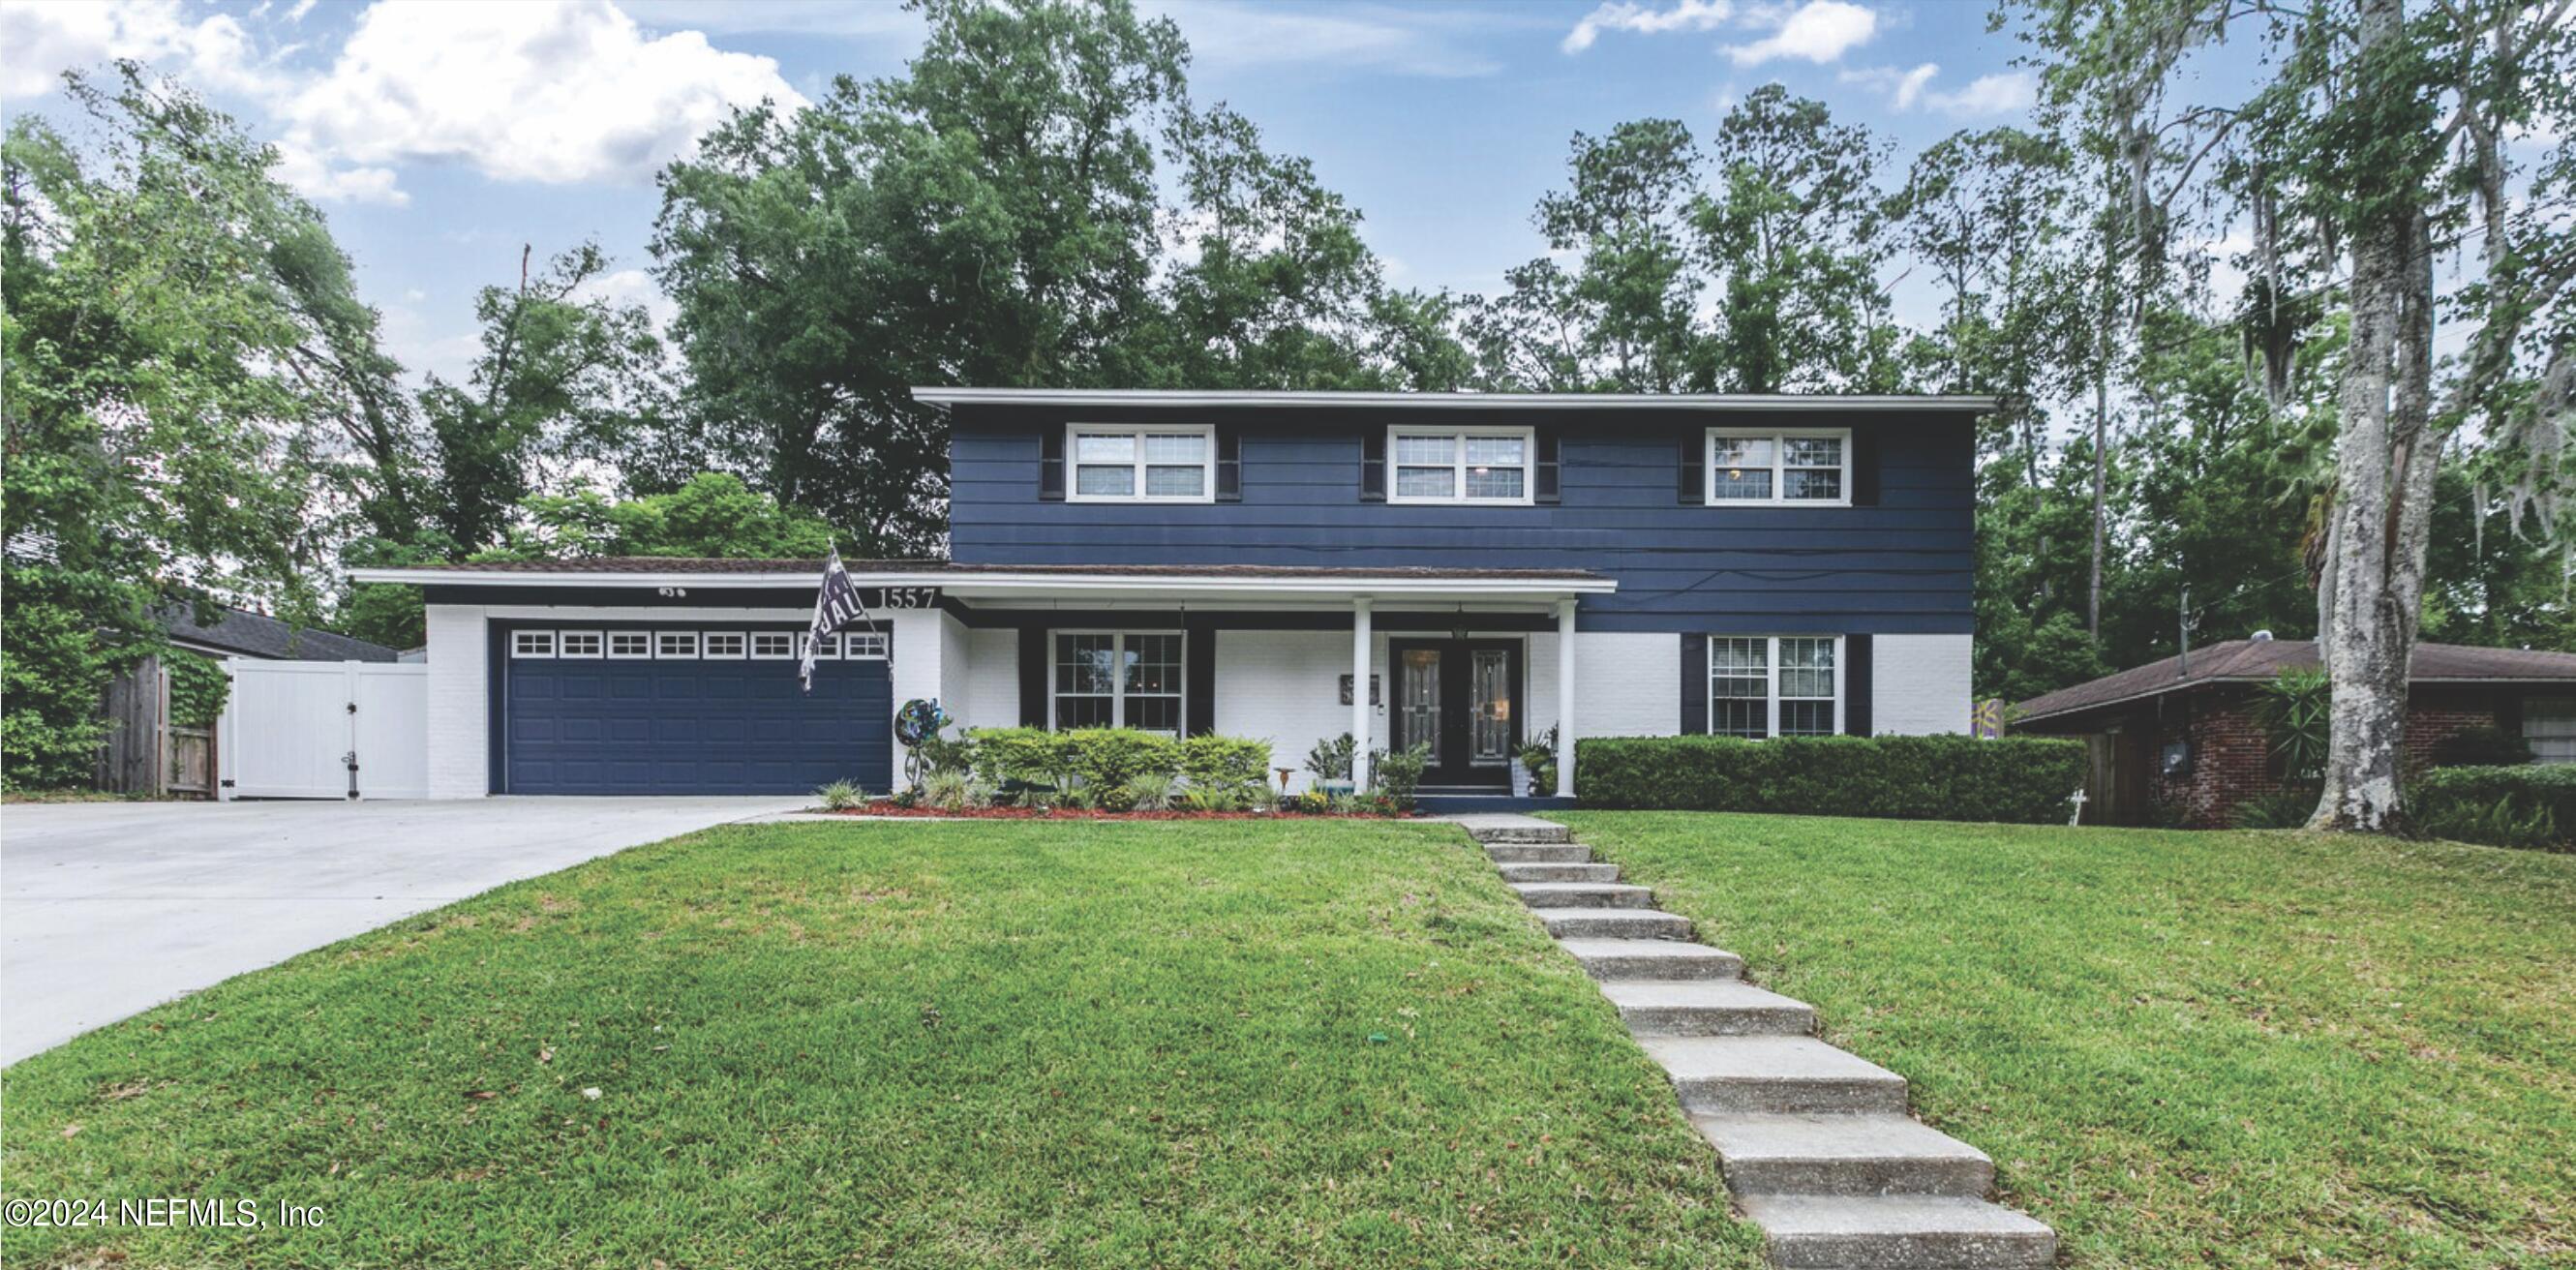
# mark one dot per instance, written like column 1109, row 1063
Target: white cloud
column 547, row 93
column 1995, row 94
column 775, row 17
column 1820, row 31
column 1627, row 15
column 316, row 179
column 1903, row 87
column 44, row 40
column 1428, row 42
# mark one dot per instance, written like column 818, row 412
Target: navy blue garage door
column 668, row 710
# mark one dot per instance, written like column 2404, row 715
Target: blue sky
column 441, row 137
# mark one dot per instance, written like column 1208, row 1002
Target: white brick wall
column 1286, row 686
column 459, row 700
column 1625, row 684
column 989, row 695
column 1921, row 683
column 919, row 645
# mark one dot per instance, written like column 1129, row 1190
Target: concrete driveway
column 107, row 909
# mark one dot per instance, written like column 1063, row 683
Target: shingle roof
column 2244, row 660
column 252, row 635
column 808, row 568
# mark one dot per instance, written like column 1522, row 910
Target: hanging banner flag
column 835, row 606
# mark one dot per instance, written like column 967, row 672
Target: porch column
column 1359, row 695
column 1565, row 698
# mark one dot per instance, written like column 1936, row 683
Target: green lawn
column 2213, row 1049
column 1210, row 1044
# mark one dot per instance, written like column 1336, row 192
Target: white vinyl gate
column 313, row 729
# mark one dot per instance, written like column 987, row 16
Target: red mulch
column 1080, row 813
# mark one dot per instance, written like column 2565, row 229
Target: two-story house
column 1465, row 571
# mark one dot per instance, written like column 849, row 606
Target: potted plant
column 1534, row 766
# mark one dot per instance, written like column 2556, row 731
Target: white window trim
column 563, row 645
column 693, row 654
column 1771, row 687
column 1073, row 433
column 881, row 642
column 707, row 650
column 614, row 655
column 1458, row 465
column 1118, row 684
column 828, row 648
column 786, row 638
column 1779, row 456
column 523, row 644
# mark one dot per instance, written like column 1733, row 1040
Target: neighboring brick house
column 2171, row 746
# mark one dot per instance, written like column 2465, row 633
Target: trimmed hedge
column 2024, row 780
column 2531, row 806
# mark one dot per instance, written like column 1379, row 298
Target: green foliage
column 2295, row 710
column 1330, row 760
column 2529, row 806
column 2288, row 807
column 948, row 791
column 712, row 515
column 1196, row 798
column 1147, row 791
column 946, row 754
column 2017, row 779
column 1210, row 761
column 53, row 670
column 198, row 689
column 2482, row 747
column 1106, row 759
column 841, row 796
column 1395, row 774
column 1013, row 758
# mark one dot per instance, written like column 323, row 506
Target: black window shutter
column 1856, row 685
column 1694, row 685
column 1198, row 681
column 1547, row 472
column 1373, row 467
column 1691, row 486
column 1051, row 465
column 1033, row 677
column 1229, row 464
column 1864, row 465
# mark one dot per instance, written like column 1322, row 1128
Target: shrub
column 2482, row 747
column 1331, row 760
column 2022, row 780
column 2533, row 806
column 1209, row 761
column 1107, row 758
column 1310, row 803
column 840, row 796
column 1395, row 775
column 1148, row 792
column 1020, row 760
column 2288, row 807
column 1211, row 799
column 2295, row 710
column 198, row 689
column 948, row 791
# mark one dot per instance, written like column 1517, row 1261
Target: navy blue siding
column 1901, row 566
column 707, row 726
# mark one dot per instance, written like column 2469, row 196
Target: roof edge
column 945, row 398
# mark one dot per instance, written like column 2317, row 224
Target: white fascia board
column 969, row 585
column 1447, row 400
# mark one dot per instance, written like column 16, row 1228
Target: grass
column 1210, row 1044
column 2210, row 1049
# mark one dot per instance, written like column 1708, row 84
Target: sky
column 440, row 138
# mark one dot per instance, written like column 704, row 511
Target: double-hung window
column 1777, row 466
column 1117, row 463
column 1460, row 465
column 2549, row 723
column 1118, row 680
column 1763, row 686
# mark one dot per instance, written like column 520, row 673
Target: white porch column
column 1565, row 698
column 1359, row 695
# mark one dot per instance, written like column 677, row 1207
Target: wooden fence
column 144, row 753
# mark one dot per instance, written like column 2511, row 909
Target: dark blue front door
column 686, row 725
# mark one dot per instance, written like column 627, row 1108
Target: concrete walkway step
column 1666, row 960
column 1560, row 872
column 1538, row 852
column 1613, row 923
column 1726, row 1007
column 1502, row 829
column 1584, row 895
column 1898, row 1232
column 1845, row 1155
column 1774, row 1075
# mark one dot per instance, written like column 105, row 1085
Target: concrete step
column 1667, row 960
column 1898, row 1232
column 1726, row 1007
column 1774, row 1075
column 1538, row 852
column 1490, row 833
column 1560, row 872
column 1584, row 895
column 1613, row 923
column 1845, row 1155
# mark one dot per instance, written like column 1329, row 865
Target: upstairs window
column 1141, row 465
column 1779, row 466
column 1460, row 465
column 1762, row 686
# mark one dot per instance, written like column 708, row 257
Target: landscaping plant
column 840, row 796
column 2017, row 779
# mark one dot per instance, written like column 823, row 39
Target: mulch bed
column 882, row 808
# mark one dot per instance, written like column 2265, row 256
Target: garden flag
column 835, row 606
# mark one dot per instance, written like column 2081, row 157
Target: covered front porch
column 1473, row 665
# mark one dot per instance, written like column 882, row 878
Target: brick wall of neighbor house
column 2435, row 715
column 2231, row 754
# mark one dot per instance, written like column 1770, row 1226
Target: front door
column 1460, row 697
